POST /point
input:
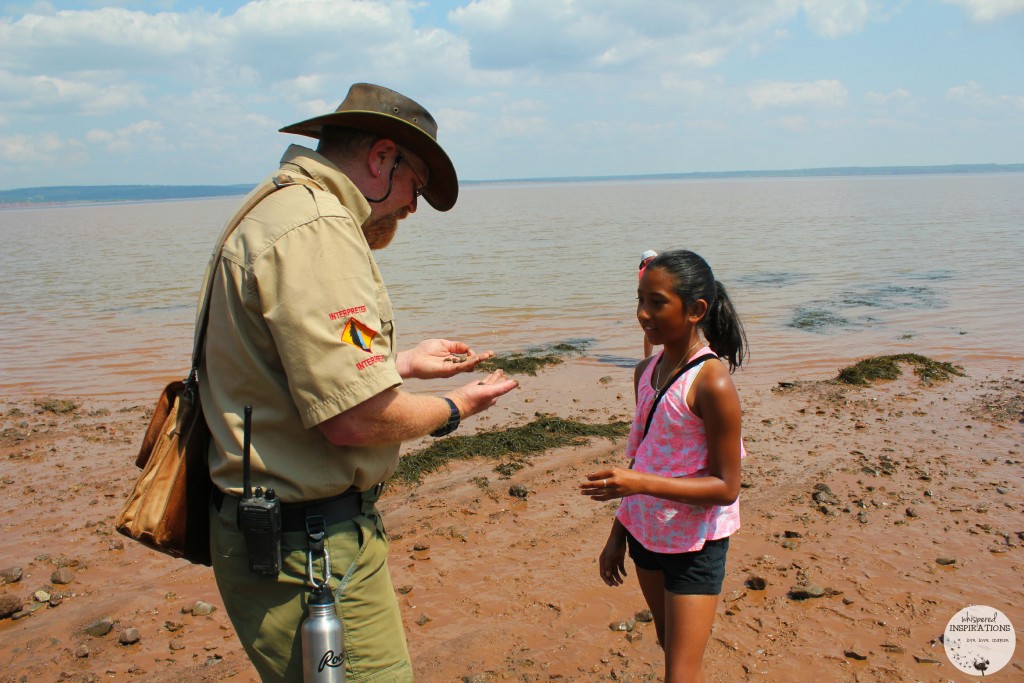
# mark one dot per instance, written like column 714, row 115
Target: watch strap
column 454, row 418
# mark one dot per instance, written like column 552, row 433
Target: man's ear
column 698, row 309
column 381, row 156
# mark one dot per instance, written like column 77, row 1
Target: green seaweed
column 57, row 406
column 512, row 447
column 530, row 361
column 519, row 363
column 887, row 368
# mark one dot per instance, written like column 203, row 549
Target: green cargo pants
column 267, row 612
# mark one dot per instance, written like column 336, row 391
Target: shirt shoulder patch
column 358, row 335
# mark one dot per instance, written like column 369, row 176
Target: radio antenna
column 246, row 443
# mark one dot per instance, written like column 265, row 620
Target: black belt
column 293, row 515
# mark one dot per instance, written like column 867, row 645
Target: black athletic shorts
column 695, row 573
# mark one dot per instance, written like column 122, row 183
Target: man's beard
column 381, row 231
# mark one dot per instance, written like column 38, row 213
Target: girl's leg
column 688, row 620
column 652, row 585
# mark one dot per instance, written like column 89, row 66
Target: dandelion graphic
column 981, row 665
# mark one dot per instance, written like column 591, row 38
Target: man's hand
column 434, row 358
column 479, row 396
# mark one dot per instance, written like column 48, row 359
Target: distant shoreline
column 32, row 197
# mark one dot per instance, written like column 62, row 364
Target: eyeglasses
column 417, row 186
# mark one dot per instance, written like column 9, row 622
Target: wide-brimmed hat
column 376, row 109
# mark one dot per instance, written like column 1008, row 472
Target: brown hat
column 376, row 109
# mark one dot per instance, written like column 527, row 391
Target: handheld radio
column 259, row 515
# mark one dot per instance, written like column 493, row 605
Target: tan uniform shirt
column 301, row 328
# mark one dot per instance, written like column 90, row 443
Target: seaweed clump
column 512, row 446
column 888, row 368
column 57, row 406
column 520, row 363
column 530, row 361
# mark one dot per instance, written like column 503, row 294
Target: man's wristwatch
column 454, row 418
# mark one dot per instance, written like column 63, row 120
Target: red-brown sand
column 495, row 587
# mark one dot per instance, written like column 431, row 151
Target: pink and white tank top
column 675, row 446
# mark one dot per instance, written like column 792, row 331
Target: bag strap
column 203, row 314
column 679, row 373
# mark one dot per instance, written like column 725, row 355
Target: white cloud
column 971, row 94
column 521, row 126
column 974, row 95
column 567, row 35
column 793, row 123
column 884, row 99
column 825, row 93
column 453, row 121
column 147, row 134
column 46, row 148
column 86, row 94
column 989, row 10
column 524, row 106
column 834, row 18
column 690, row 87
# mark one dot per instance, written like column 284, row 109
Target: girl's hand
column 611, row 484
column 613, row 560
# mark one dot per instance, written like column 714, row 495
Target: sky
column 194, row 91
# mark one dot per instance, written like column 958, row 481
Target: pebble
column 423, row 620
column 853, row 654
column 100, row 628
column 129, row 636
column 176, row 644
column 202, row 609
column 9, row 604
column 756, row 583
column 82, row 651
column 945, row 561
column 10, row 575
column 518, row 491
column 806, row 592
column 62, row 576
column 622, row 625
column 644, row 616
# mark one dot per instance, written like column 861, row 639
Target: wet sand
column 857, row 491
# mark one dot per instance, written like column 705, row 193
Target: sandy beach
column 871, row 515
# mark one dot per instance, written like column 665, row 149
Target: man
column 301, row 329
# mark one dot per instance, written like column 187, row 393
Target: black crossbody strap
column 657, row 397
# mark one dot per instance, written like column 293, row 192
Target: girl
column 679, row 494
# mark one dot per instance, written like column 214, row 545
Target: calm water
column 100, row 299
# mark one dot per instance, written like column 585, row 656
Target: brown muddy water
column 99, row 300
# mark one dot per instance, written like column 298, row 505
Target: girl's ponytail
column 723, row 329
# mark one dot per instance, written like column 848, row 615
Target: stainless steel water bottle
column 323, row 654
